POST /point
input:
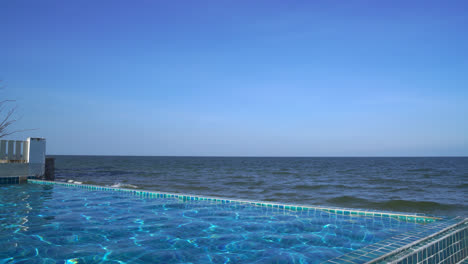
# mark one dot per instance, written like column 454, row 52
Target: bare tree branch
column 7, row 116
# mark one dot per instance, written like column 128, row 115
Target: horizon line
column 247, row 156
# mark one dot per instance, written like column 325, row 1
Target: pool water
column 58, row 224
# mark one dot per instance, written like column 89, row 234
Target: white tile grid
column 455, row 246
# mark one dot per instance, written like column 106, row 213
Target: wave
column 391, row 205
column 283, row 173
column 420, row 170
column 386, row 181
column 115, row 172
column 346, row 171
column 75, row 182
column 236, row 183
column 347, row 200
column 320, row 186
column 194, row 187
column 124, row 185
column 405, row 204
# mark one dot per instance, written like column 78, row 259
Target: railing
column 14, row 151
column 18, row 157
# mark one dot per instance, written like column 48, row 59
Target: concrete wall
column 23, row 158
column 36, row 157
column 14, row 169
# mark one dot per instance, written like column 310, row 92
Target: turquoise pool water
column 57, row 224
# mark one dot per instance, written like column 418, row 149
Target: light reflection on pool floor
column 55, row 224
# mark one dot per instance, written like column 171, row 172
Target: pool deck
column 438, row 240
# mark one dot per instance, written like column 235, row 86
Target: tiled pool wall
column 448, row 246
column 437, row 240
column 444, row 241
column 15, row 179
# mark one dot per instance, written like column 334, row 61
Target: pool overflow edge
column 414, row 218
column 411, row 247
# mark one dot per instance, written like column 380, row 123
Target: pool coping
column 430, row 226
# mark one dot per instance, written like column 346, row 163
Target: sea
column 435, row 186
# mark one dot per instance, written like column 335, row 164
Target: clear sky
column 241, row 78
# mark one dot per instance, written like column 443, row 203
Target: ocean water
column 433, row 185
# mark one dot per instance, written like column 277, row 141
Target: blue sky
column 239, row 78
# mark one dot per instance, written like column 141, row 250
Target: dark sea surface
column 432, row 185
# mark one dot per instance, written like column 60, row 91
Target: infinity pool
column 58, row 224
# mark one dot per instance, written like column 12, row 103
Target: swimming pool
column 59, row 224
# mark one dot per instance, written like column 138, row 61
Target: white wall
column 36, row 157
column 21, row 158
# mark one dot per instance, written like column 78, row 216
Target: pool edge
column 415, row 217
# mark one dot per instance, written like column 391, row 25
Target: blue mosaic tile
column 450, row 248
